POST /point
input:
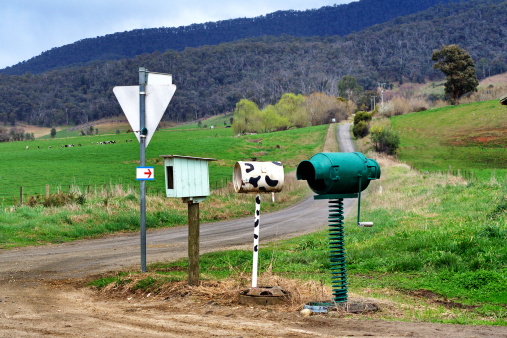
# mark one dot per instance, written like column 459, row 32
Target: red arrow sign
column 145, row 173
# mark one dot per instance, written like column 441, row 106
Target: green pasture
column 97, row 165
column 465, row 137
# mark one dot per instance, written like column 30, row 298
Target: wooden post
column 21, row 195
column 193, row 243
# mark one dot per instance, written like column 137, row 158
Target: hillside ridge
column 325, row 21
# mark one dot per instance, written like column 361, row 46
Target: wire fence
column 20, row 195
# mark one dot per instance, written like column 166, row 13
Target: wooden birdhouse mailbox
column 187, row 177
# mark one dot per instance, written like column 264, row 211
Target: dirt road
column 42, row 293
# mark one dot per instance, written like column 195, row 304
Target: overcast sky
column 30, row 27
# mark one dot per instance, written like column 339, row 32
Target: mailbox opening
column 170, row 177
column 306, row 171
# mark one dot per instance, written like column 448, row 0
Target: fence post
column 21, row 195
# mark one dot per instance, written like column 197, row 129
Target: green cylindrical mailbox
column 338, row 173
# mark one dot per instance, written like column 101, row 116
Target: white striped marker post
column 256, row 239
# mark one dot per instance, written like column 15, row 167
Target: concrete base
column 263, row 295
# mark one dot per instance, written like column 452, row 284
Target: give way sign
column 159, row 92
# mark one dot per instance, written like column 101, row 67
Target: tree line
column 290, row 111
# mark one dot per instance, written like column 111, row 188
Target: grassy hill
column 465, row 137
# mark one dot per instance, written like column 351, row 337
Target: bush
column 385, row 140
column 360, row 129
column 362, row 116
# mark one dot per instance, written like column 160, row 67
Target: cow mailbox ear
column 258, row 177
column 338, row 173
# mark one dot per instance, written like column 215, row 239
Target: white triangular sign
column 157, row 100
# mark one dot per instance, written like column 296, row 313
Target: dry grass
column 388, row 193
column 223, row 292
column 331, row 142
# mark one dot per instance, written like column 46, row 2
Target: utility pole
column 382, row 87
column 372, row 102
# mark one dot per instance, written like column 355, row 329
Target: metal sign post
column 142, row 161
column 144, row 106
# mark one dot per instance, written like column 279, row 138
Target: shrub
column 362, row 116
column 385, row 140
column 360, row 129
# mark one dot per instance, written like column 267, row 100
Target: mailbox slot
column 169, row 177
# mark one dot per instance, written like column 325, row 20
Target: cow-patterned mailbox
column 336, row 176
column 257, row 177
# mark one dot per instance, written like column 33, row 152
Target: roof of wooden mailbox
column 189, row 157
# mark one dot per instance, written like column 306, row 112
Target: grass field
column 466, row 137
column 99, row 165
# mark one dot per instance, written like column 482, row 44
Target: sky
column 30, row 27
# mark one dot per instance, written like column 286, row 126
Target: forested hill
column 330, row 20
column 212, row 79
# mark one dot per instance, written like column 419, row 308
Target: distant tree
column 53, row 132
column 271, row 120
column 459, row 69
column 246, row 116
column 349, row 88
column 291, row 106
column 322, row 108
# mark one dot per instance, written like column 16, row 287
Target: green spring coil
column 337, row 251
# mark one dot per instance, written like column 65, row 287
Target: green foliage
column 270, row 120
column 349, row 88
column 290, row 106
column 360, row 129
column 246, row 117
column 362, row 116
column 385, row 139
column 290, row 111
column 459, row 69
column 53, row 132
